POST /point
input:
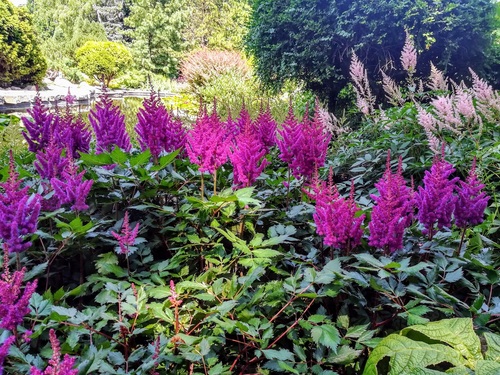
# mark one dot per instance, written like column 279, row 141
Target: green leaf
column 266, row 253
column 93, row 159
column 345, row 355
column 141, row 158
column 454, row 276
column 406, row 354
column 487, row 367
column 326, row 335
column 281, row 355
column 119, row 156
column 493, row 344
column 165, row 160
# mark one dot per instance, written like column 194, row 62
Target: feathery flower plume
column 127, row 236
column 290, row 137
column 56, row 366
column 471, row 201
column 409, row 55
column 18, row 212
column 174, row 297
column 14, row 302
column 437, row 81
column 392, row 91
column 4, row 350
column 446, row 115
column 462, row 100
column 266, row 127
column 393, row 210
column 41, row 129
column 70, row 187
column 365, row 99
column 49, row 162
column 109, row 125
column 428, row 122
column 435, row 201
column 488, row 100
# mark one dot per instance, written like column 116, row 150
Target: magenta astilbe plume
column 56, row 366
column 109, row 125
column 248, row 158
column 337, row 218
column 50, row 162
column 290, row 138
column 4, row 350
column 70, row 188
column 18, row 212
column 207, row 145
column 393, row 210
column 127, row 236
column 14, row 302
column 435, row 201
column 471, row 201
column 266, row 127
column 41, row 128
column 230, row 127
column 244, row 120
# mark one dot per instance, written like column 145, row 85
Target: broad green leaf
column 165, row 160
column 493, row 344
column 370, row 259
column 345, row 355
column 141, row 158
column 93, row 159
column 326, row 335
column 406, row 354
column 266, row 253
column 281, row 355
column 119, row 156
column 458, row 333
column 289, row 369
column 487, row 367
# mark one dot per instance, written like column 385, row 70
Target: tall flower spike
column 127, row 236
column 435, row 201
column 393, row 210
column 70, row 188
column 49, row 162
column 56, row 366
column 365, row 99
column 266, row 127
column 290, row 137
column 409, row 55
column 109, row 125
column 4, row 351
column 18, row 212
column 471, row 202
column 41, row 128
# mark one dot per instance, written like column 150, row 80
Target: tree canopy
column 312, row 41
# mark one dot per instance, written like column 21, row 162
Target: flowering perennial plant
column 4, row 350
column 109, row 125
column 409, row 55
column 18, row 212
column 56, row 366
column 471, row 201
column 435, row 200
column 127, row 236
column 265, row 127
column 50, row 162
column 206, row 143
column 365, row 100
column 290, row 138
column 70, row 187
column 14, row 303
column 393, row 210
column 41, row 128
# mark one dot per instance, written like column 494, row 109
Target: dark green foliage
column 21, row 61
column 312, row 41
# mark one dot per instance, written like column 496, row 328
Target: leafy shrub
column 21, row 61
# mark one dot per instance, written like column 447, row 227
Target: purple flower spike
column 471, row 202
column 109, row 125
column 393, row 210
column 290, row 138
column 41, row 129
column 49, row 162
column 71, row 188
column 4, row 350
column 56, row 366
column 266, row 127
column 127, row 238
column 435, row 201
column 248, row 158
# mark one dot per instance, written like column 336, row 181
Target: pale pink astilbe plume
column 126, row 237
column 4, row 350
column 247, row 157
column 488, row 100
column 393, row 210
column 14, row 301
column 446, row 115
column 427, row 121
column 56, row 366
column 332, row 123
column 70, row 188
column 365, row 100
column 207, row 144
column 464, row 105
column 409, row 55
column 266, row 127
column 437, row 80
column 392, row 91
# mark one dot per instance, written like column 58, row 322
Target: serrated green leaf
column 99, row 159
column 493, row 346
column 141, row 158
column 266, row 253
column 326, row 335
column 345, row 355
column 281, row 355
column 487, row 367
column 454, row 276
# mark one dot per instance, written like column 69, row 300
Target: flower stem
column 457, row 252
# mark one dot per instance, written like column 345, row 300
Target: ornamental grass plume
column 266, row 127
column 18, row 212
column 39, row 130
column 471, row 201
column 14, row 302
column 247, row 156
column 126, row 237
column 393, row 210
column 4, row 351
column 435, row 200
column 109, row 125
column 70, row 188
column 56, row 366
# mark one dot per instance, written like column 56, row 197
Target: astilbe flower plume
column 41, row 128
column 266, row 127
column 56, row 366
column 337, row 218
column 393, row 210
column 471, row 201
column 14, row 302
column 4, row 351
column 109, row 125
column 50, row 162
column 409, row 55
column 206, row 142
column 18, row 212
column 289, row 138
column 365, row 100
column 435, row 200
column 70, row 188
column 127, row 236
column 247, row 157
